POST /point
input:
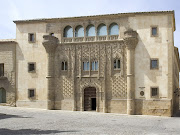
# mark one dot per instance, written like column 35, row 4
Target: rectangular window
column 31, row 37
column 31, row 93
column 94, row 65
column 1, row 69
column 86, row 66
column 154, row 92
column 154, row 64
column 32, row 67
column 154, row 31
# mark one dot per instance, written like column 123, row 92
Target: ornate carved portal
column 89, row 99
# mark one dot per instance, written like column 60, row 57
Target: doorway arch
column 90, row 102
column 2, row 95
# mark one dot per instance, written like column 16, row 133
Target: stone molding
column 130, row 39
column 50, row 43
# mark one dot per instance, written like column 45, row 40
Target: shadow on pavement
column 6, row 116
column 177, row 114
column 5, row 131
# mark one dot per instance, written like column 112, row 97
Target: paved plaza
column 15, row 120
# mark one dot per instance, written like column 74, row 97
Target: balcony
column 78, row 39
column 90, row 39
column 101, row 38
column 113, row 37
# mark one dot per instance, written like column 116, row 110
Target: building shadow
column 177, row 114
column 6, row 116
column 5, row 131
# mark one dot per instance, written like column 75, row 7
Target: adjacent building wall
column 31, row 52
column 8, row 81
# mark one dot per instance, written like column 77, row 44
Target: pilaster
column 50, row 43
column 130, row 41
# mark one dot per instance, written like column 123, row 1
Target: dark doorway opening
column 89, row 99
column 2, row 95
column 93, row 103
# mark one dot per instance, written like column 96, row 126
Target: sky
column 32, row 9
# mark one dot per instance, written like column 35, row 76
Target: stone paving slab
column 22, row 121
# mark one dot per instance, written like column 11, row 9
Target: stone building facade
column 120, row 63
column 7, row 72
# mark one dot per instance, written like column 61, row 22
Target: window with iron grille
column 31, row 93
column 154, row 64
column 154, row 92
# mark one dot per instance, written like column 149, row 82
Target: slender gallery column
column 50, row 43
column 130, row 41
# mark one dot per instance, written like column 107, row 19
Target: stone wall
column 8, row 82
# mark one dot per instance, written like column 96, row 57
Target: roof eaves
column 118, row 14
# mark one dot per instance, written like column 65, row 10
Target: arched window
column 86, row 65
column 64, row 65
column 102, row 30
column 79, row 31
column 90, row 30
column 68, row 31
column 117, row 64
column 94, row 65
column 114, row 29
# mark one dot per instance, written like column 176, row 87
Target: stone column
column 130, row 41
column 50, row 43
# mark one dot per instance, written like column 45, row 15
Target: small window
column 154, row 31
column 31, row 93
column 1, row 69
column 31, row 67
column 64, row 65
column 31, row 37
column 117, row 64
column 86, row 66
column 94, row 66
column 154, row 64
column 52, row 34
column 154, row 92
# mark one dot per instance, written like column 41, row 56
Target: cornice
column 94, row 16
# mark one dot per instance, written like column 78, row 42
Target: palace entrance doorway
column 90, row 99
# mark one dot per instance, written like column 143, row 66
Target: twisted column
column 130, row 41
column 50, row 43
